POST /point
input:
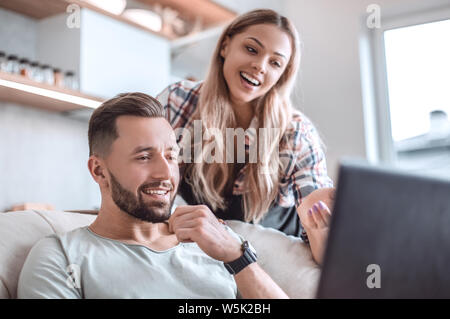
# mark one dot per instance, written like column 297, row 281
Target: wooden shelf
column 21, row 90
column 211, row 14
column 36, row 9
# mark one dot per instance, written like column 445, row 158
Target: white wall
column 116, row 57
column 43, row 155
column 329, row 88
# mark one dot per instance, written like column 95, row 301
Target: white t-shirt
column 82, row 264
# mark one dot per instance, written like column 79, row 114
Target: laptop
column 389, row 236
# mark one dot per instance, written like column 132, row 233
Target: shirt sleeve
column 47, row 275
column 307, row 170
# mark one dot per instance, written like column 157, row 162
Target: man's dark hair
column 102, row 125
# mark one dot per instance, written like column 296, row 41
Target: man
column 135, row 248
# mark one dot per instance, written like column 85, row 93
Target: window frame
column 379, row 107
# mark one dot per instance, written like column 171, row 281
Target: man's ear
column 224, row 47
column 97, row 169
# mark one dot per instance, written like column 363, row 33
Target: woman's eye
column 250, row 49
column 173, row 157
column 277, row 64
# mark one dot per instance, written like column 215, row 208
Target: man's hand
column 198, row 224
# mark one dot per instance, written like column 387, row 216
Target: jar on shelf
column 58, row 77
column 70, row 81
column 47, row 75
column 13, row 64
column 3, row 62
column 35, row 72
column 24, row 67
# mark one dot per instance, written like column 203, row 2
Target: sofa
column 285, row 258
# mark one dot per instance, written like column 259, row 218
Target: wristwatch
column 248, row 257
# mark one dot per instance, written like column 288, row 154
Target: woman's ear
column 224, row 47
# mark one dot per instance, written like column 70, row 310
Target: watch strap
column 247, row 258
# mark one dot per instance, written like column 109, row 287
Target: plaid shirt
column 302, row 157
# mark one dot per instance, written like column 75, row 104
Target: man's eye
column 144, row 158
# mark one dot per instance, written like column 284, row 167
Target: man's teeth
column 153, row 192
column 250, row 79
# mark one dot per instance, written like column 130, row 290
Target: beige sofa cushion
column 285, row 258
column 20, row 231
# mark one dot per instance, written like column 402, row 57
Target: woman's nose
column 259, row 66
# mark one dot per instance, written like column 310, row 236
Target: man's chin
column 151, row 214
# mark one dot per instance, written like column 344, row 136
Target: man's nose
column 161, row 168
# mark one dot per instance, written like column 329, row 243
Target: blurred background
column 374, row 79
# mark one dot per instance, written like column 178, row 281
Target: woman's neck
column 244, row 113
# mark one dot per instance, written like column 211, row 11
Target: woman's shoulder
column 181, row 89
column 180, row 101
column 300, row 127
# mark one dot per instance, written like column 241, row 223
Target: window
column 411, row 101
column 418, row 74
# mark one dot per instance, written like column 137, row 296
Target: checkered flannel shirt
column 302, row 155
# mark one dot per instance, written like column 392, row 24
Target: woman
column 248, row 86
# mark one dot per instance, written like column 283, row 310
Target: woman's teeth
column 249, row 79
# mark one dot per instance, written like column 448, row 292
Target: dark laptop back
column 388, row 230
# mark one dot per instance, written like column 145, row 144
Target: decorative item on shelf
column 13, row 64
column 35, row 72
column 70, row 81
column 58, row 77
column 146, row 18
column 174, row 26
column 24, row 67
column 47, row 74
column 3, row 62
column 111, row 6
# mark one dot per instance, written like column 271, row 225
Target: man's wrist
column 248, row 256
column 235, row 253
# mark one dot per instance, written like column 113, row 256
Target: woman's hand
column 319, row 216
column 198, row 224
column 315, row 215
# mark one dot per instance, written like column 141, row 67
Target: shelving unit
column 210, row 13
column 21, row 90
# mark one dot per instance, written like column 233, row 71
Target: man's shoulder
column 62, row 242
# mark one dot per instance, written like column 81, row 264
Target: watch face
column 250, row 253
column 251, row 248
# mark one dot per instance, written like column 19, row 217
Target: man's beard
column 136, row 207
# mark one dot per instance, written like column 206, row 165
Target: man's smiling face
column 142, row 167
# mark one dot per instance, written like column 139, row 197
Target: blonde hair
column 274, row 110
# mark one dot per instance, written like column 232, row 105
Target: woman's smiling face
column 254, row 61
